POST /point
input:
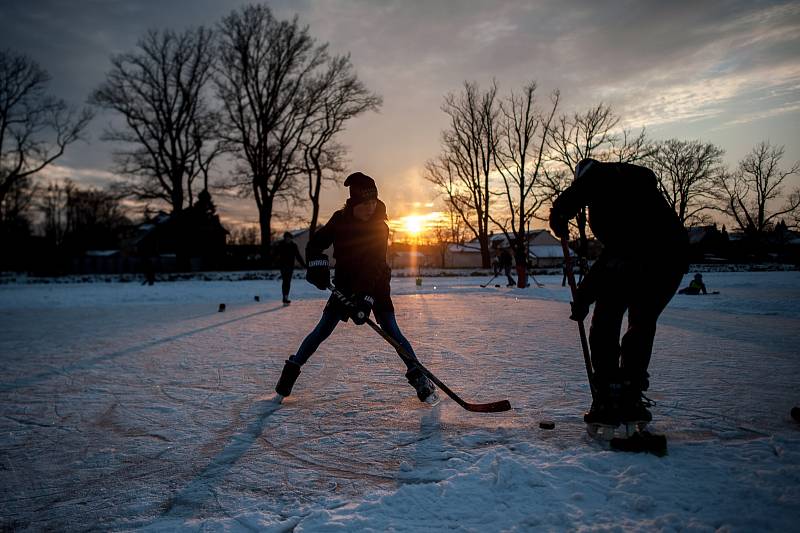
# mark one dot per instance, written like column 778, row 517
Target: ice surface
column 127, row 406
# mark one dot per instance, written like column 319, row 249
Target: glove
column 361, row 307
column 580, row 310
column 559, row 224
column 319, row 272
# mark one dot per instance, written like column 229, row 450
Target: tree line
column 262, row 97
column 254, row 90
column 504, row 159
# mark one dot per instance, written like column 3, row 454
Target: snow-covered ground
column 126, row 406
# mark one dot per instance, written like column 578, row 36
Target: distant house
column 707, row 243
column 193, row 239
column 544, row 250
column 103, row 262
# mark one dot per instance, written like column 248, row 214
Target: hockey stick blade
column 492, row 407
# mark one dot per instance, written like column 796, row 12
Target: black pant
column 286, row 276
column 643, row 290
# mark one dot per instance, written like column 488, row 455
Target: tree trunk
column 177, row 198
column 314, row 211
column 486, row 260
column 265, row 222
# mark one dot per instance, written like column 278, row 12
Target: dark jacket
column 359, row 248
column 286, row 253
column 505, row 259
column 627, row 211
column 640, row 232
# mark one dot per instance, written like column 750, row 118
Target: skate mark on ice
column 88, row 363
column 201, row 488
column 350, row 471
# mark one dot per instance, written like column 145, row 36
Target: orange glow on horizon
column 415, row 226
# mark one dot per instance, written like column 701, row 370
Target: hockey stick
column 530, row 274
column 573, row 289
column 488, row 282
column 540, row 285
column 492, row 407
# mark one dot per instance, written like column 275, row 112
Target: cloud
column 86, row 177
column 682, row 63
column 793, row 107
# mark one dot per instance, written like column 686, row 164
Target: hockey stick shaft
column 488, row 282
column 492, row 407
column 581, row 329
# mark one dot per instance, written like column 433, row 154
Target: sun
column 413, row 225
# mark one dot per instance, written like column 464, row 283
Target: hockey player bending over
column 642, row 263
column 359, row 235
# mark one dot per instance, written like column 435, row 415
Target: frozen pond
column 125, row 406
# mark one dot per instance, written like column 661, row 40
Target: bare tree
column 751, row 195
column 35, row 128
column 265, row 79
column 594, row 133
column 244, row 235
column 15, row 207
column 76, row 219
column 520, row 157
column 687, row 171
column 462, row 172
column 170, row 134
column 336, row 96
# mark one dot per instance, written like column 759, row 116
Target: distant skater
column 506, row 263
column 696, row 286
column 149, row 272
column 287, row 252
column 359, row 235
column 644, row 258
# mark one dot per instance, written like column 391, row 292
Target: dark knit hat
column 362, row 188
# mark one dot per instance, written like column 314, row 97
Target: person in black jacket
column 286, row 252
column 644, row 257
column 359, row 236
column 506, row 263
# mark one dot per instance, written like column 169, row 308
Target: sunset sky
column 724, row 72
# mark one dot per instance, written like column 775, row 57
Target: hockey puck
column 497, row 285
column 796, row 413
column 221, row 307
column 547, row 424
column 257, row 298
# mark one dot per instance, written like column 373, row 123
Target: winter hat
column 583, row 166
column 362, row 188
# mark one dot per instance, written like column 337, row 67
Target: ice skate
column 634, row 412
column 603, row 418
column 288, row 376
column 426, row 390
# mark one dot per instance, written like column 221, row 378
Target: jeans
column 286, row 277
column 507, row 269
column 329, row 321
column 643, row 292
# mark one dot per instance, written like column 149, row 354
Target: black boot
column 289, row 375
column 424, row 387
column 634, row 405
column 605, row 410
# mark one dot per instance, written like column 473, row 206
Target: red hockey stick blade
column 493, row 407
